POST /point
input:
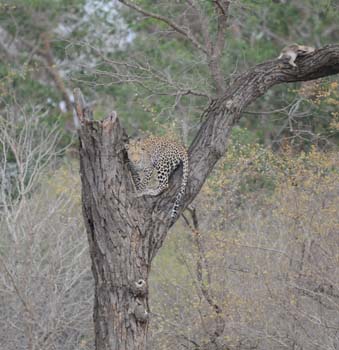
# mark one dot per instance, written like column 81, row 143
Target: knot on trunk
column 140, row 312
column 139, row 288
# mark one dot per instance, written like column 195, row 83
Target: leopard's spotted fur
column 162, row 154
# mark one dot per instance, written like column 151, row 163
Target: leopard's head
column 136, row 152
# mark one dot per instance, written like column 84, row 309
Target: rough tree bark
column 125, row 233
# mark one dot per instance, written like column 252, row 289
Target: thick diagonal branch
column 223, row 113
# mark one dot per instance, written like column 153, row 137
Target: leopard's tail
column 181, row 192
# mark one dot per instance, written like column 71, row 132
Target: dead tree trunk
column 125, row 232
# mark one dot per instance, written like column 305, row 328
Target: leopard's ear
column 126, row 145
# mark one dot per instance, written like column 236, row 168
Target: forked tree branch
column 212, row 48
column 223, row 113
column 179, row 29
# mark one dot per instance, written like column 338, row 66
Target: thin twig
column 181, row 30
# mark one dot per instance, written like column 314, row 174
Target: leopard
column 160, row 155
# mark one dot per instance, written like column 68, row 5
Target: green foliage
column 165, row 64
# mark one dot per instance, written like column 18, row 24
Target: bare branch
column 222, row 9
column 205, row 286
column 80, row 104
column 140, row 73
column 204, row 24
column 219, row 44
column 179, row 29
column 47, row 54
